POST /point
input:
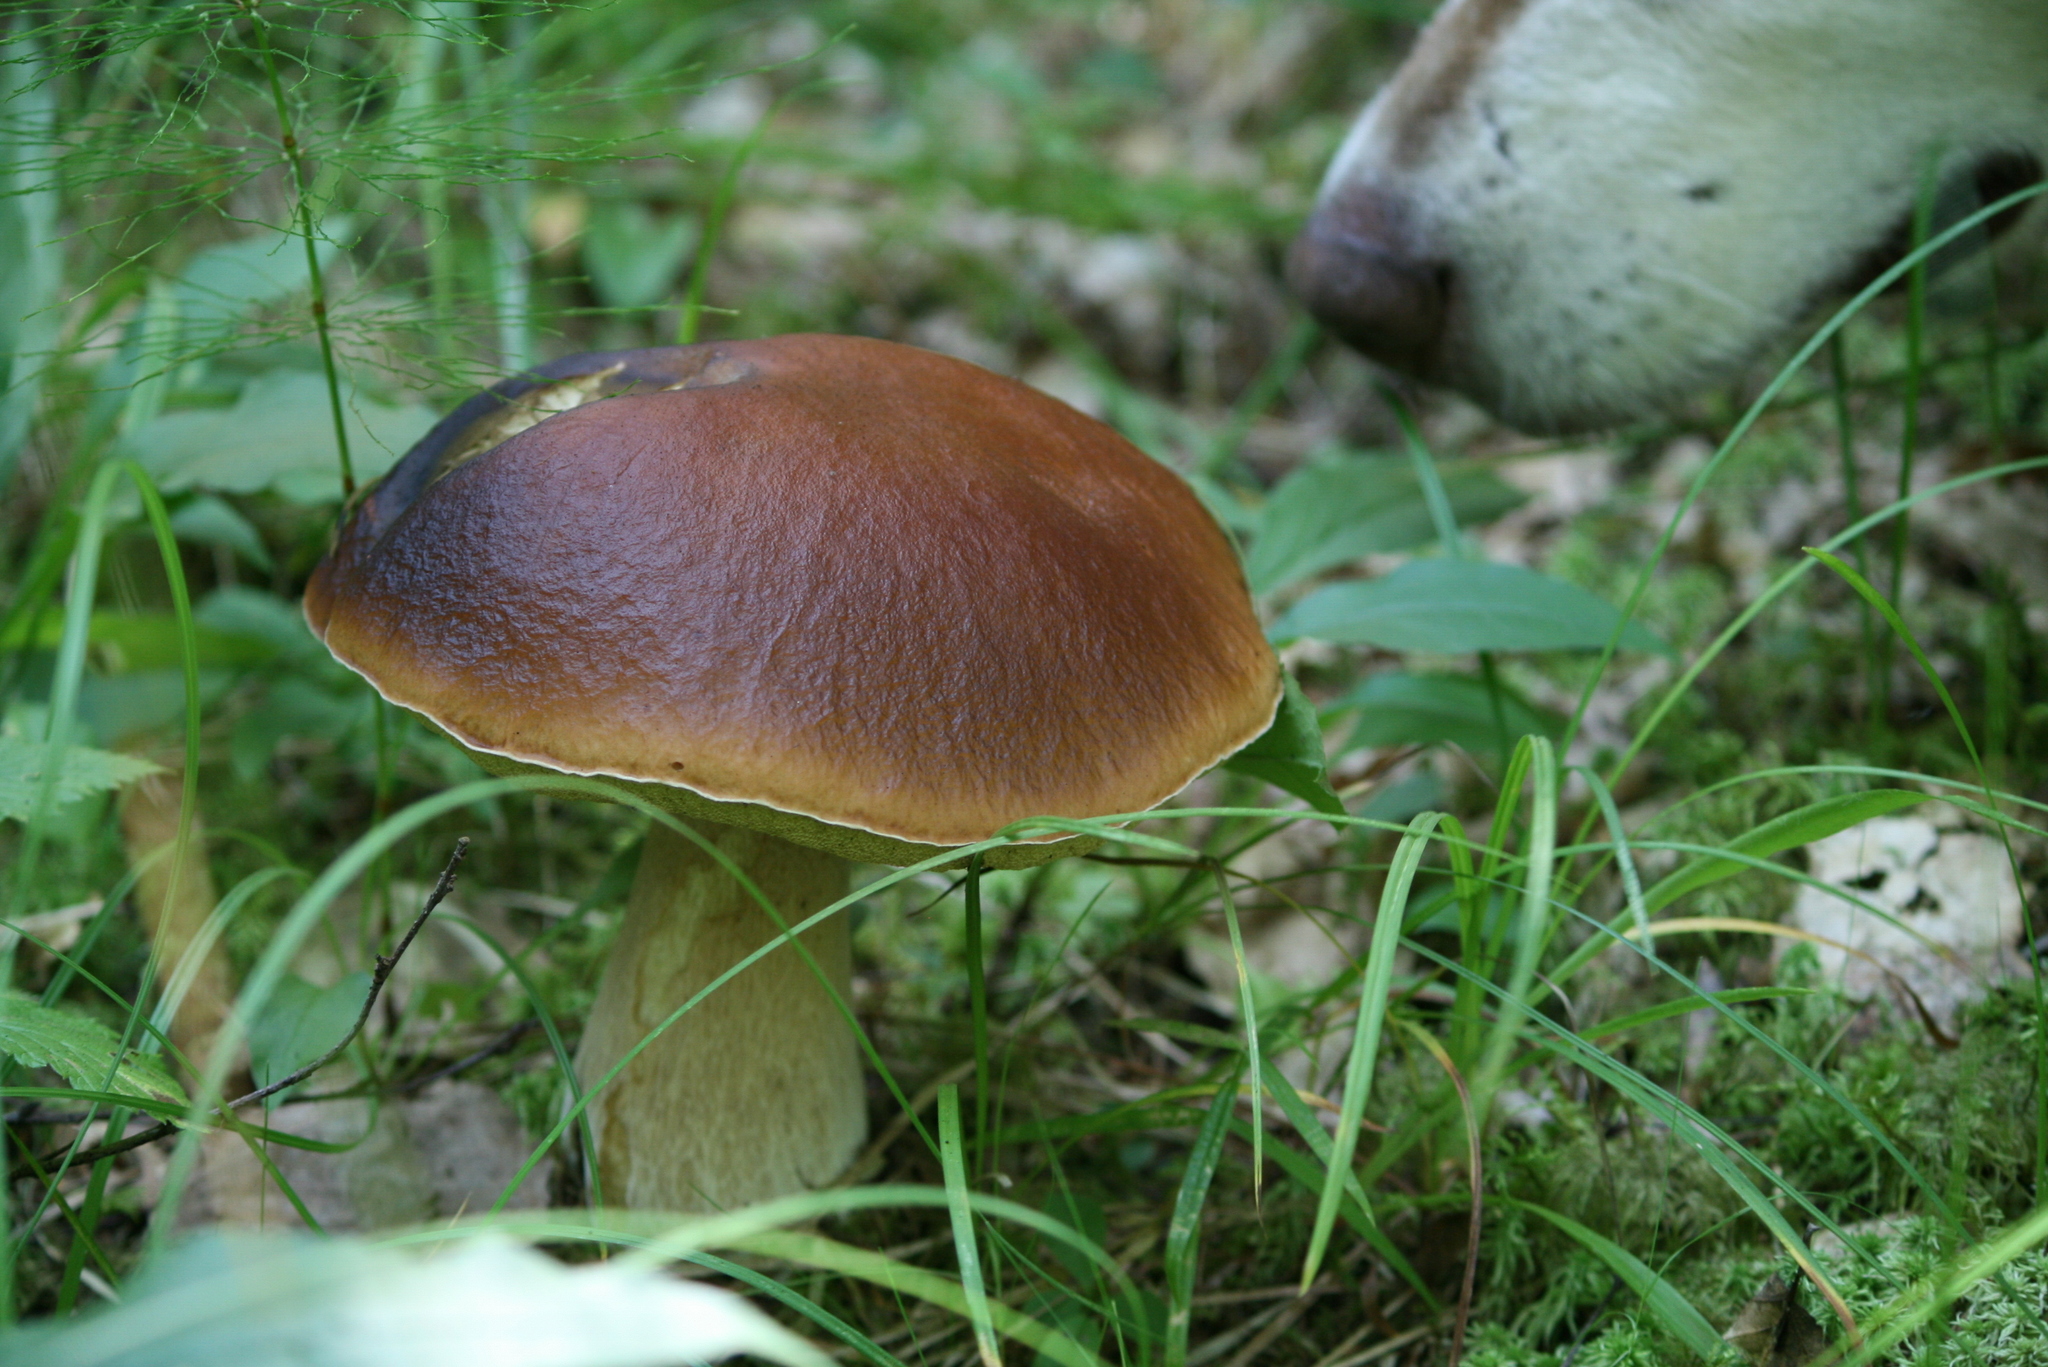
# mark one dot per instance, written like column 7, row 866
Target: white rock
column 1951, row 890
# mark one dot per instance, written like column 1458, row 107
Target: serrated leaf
column 1289, row 754
column 1398, row 708
column 301, row 1022
column 1452, row 607
column 1810, row 823
column 258, row 1301
column 86, row 771
column 79, row 1049
column 277, row 437
column 1332, row 511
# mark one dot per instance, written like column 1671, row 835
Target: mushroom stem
column 754, row 1093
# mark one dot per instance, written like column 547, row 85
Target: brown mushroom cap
column 831, row 579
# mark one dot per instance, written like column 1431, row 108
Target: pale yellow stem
column 756, row 1092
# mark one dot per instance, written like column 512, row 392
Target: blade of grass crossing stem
column 1373, row 986
column 1247, row 1007
column 953, row 1162
column 1897, row 623
column 792, row 936
column 1539, row 868
column 188, row 657
column 977, row 1005
column 1183, row 1248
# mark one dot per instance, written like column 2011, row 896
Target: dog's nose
column 1356, row 267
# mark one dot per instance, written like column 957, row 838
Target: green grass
column 1090, row 1150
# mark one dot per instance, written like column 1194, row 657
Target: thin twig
column 385, row 964
column 496, row 1047
column 499, row 1044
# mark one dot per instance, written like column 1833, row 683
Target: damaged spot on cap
column 526, row 410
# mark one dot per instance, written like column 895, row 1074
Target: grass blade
column 1247, row 1007
column 1540, row 869
column 1373, row 987
column 1182, row 1248
column 802, row 1304
column 953, row 1162
column 1814, row 822
column 977, row 1005
column 1658, row 1296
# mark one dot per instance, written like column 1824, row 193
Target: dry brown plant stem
column 175, row 894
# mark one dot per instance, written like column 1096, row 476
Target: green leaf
column 1398, row 708
column 254, row 615
column 86, row 771
column 1451, row 607
column 1685, row 1006
column 1685, row 1322
column 209, row 521
column 222, row 285
column 1332, row 511
column 634, row 257
column 1374, row 987
column 79, row 1049
column 301, row 1022
column 130, row 642
column 953, row 1163
column 278, row 437
column 1803, row 827
column 1289, row 755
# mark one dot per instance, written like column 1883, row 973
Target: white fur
column 1588, row 286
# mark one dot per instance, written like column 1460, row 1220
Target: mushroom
column 827, row 599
